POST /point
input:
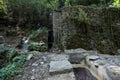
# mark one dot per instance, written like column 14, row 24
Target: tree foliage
column 116, row 3
column 30, row 11
column 3, row 8
column 38, row 11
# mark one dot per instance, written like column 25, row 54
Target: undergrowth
column 15, row 63
column 37, row 48
column 37, row 33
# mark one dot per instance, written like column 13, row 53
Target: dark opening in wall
column 50, row 39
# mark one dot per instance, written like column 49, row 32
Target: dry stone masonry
column 102, row 67
column 88, row 28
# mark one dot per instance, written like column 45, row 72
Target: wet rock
column 57, row 67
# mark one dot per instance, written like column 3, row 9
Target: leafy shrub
column 37, row 48
column 80, row 16
column 3, row 8
column 30, row 12
column 35, row 34
column 15, row 65
column 8, row 52
column 116, row 3
column 118, row 51
column 11, row 54
column 8, row 71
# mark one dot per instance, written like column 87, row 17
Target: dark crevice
column 50, row 40
column 83, row 74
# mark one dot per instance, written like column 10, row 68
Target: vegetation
column 37, row 48
column 3, row 8
column 38, row 14
column 13, row 66
column 36, row 33
column 116, row 3
column 27, row 13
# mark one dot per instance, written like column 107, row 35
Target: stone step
column 65, row 76
column 59, row 67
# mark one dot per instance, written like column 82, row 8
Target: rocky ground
column 89, row 64
column 74, row 64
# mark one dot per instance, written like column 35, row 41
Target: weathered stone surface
column 114, row 72
column 58, row 57
column 84, row 34
column 79, row 50
column 66, row 76
column 60, row 67
column 101, row 66
column 93, row 57
column 77, row 55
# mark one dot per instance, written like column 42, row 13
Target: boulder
column 57, row 67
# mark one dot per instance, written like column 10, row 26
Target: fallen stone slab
column 79, row 50
column 65, row 76
column 58, row 57
column 58, row 67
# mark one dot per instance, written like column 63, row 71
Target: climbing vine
column 80, row 16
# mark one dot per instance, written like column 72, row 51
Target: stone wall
column 88, row 28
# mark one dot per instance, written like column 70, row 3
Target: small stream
column 83, row 74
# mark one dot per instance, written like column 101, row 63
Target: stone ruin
column 80, row 64
column 88, row 28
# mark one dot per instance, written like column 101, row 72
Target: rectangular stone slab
column 65, row 76
column 58, row 67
